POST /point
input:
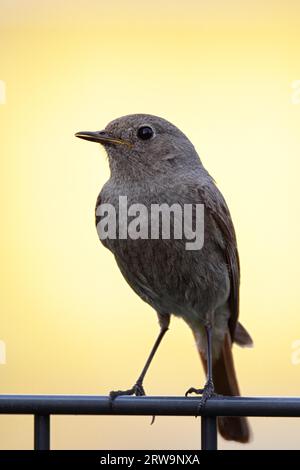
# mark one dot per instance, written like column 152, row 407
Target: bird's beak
column 101, row 137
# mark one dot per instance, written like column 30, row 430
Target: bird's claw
column 198, row 391
column 137, row 390
column 207, row 392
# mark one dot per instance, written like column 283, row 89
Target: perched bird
column 153, row 162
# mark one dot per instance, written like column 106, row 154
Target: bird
column 152, row 162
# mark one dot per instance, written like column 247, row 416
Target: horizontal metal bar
column 160, row 406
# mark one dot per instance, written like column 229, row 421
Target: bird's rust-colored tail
column 233, row 428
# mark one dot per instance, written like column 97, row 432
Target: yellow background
column 222, row 71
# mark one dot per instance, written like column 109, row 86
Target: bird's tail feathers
column 242, row 337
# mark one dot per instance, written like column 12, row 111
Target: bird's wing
column 217, row 209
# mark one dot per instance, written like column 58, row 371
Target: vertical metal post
column 209, row 433
column 41, row 432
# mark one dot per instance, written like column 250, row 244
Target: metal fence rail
column 43, row 406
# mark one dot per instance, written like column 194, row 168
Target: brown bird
column 153, row 163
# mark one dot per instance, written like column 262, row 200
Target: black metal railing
column 43, row 406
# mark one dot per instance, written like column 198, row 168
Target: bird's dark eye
column 145, row 133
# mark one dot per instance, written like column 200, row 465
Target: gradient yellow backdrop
column 223, row 72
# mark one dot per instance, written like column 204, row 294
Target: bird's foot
column 207, row 392
column 137, row 390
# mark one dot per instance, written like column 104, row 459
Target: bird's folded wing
column 217, row 209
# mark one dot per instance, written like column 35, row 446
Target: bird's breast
column 160, row 268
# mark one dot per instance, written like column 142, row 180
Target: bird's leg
column 138, row 388
column 208, row 391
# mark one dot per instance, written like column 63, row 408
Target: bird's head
column 142, row 144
